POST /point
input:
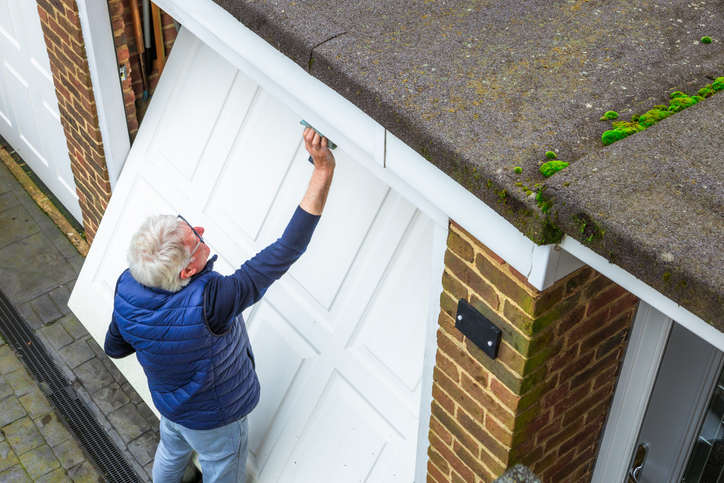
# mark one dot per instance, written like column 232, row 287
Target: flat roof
column 480, row 88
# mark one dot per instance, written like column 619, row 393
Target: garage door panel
column 355, row 195
column 344, row 439
column 280, row 351
column 405, row 280
column 7, row 21
column 255, row 170
column 28, row 125
column 192, row 111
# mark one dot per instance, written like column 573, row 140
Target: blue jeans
column 222, row 452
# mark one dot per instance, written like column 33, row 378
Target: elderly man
column 183, row 320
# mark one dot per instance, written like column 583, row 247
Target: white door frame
column 641, row 362
column 95, row 20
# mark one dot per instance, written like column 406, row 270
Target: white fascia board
column 643, row 291
column 481, row 221
column 100, row 50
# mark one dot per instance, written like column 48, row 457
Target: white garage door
column 339, row 340
column 29, row 118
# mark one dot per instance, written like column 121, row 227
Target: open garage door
column 339, row 341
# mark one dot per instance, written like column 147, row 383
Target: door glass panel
column 706, row 464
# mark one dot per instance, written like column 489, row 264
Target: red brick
column 437, row 459
column 597, row 368
column 583, row 406
column 468, row 276
column 564, row 434
column 476, row 429
column 447, row 324
column 576, row 366
column 608, row 377
column 460, row 246
column 624, row 303
column 457, row 394
column 561, row 462
column 614, row 326
column 437, row 428
column 565, row 470
column 504, row 394
column 501, row 413
column 586, row 327
column 452, row 286
column 434, row 475
column 499, row 432
column 447, row 366
column 549, row 430
column 455, row 428
column 491, row 254
column 451, row 458
column 443, row 399
column 564, row 358
column 461, row 357
column 603, row 299
column 571, row 399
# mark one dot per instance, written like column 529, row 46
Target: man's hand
column 316, row 195
column 316, row 146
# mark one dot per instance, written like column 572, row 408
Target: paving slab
column 31, row 267
column 93, row 375
column 144, row 447
column 110, row 398
column 17, row 224
column 57, row 336
column 9, row 362
column 52, row 429
column 21, row 382
column 45, row 309
column 73, row 326
column 8, row 458
column 12, row 410
column 69, row 454
column 129, row 422
column 60, row 297
column 16, row 474
column 29, row 315
column 36, row 404
column 83, row 473
column 8, row 200
column 57, row 476
column 76, row 353
column 39, row 461
column 23, row 436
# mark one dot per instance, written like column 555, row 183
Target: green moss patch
column 706, row 40
column 679, row 101
column 551, row 155
column 552, row 167
column 610, row 115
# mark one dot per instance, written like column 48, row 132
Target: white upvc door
column 29, row 117
column 339, row 341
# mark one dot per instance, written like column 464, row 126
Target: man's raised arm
column 316, row 195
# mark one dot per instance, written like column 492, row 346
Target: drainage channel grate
column 95, row 440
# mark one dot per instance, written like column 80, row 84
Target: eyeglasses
column 201, row 240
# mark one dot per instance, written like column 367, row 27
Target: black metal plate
column 478, row 328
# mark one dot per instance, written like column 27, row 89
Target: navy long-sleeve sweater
column 226, row 297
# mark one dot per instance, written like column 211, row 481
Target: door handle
column 637, row 466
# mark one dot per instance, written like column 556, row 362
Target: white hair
column 157, row 253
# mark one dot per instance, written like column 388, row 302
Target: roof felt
column 480, row 87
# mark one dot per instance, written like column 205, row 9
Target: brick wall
column 78, row 115
column 127, row 54
column 543, row 401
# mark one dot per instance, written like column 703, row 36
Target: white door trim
column 644, row 352
column 437, row 266
column 95, row 22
